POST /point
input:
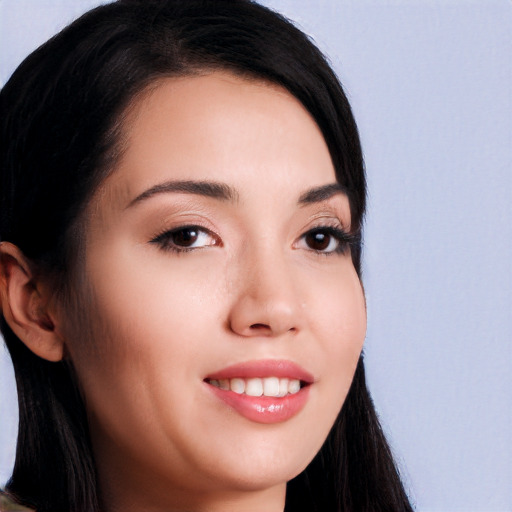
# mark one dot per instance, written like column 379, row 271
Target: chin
column 263, row 470
column 266, row 477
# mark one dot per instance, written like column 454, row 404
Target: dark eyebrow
column 202, row 188
column 322, row 193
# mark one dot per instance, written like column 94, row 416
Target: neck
column 127, row 485
column 150, row 499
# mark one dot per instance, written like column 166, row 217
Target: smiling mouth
column 277, row 387
column 262, row 391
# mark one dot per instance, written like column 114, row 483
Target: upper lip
column 263, row 368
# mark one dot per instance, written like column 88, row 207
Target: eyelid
column 172, row 218
column 326, row 220
column 332, row 214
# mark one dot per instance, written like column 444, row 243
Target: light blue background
column 431, row 86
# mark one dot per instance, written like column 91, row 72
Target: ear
column 26, row 304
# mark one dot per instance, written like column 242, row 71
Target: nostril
column 260, row 326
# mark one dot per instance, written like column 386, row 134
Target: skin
column 252, row 287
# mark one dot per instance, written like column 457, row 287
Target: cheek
column 340, row 320
column 352, row 326
column 340, row 312
column 143, row 322
column 144, row 336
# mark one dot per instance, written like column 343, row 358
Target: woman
column 182, row 198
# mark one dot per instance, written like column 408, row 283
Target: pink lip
column 265, row 368
column 263, row 409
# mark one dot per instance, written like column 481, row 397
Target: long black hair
column 61, row 116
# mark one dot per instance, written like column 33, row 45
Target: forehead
column 250, row 134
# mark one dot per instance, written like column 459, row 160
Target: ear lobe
column 24, row 302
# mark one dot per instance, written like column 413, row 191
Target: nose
column 267, row 301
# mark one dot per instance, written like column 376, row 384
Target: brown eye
column 318, row 240
column 326, row 240
column 185, row 237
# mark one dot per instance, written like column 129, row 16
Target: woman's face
column 217, row 260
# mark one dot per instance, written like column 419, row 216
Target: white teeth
column 253, row 387
column 268, row 386
column 271, row 386
column 293, row 386
column 283, row 387
column 237, row 385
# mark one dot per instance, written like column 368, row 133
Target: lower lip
column 263, row 409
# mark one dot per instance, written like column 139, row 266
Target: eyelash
column 165, row 240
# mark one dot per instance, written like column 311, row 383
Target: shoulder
column 8, row 505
